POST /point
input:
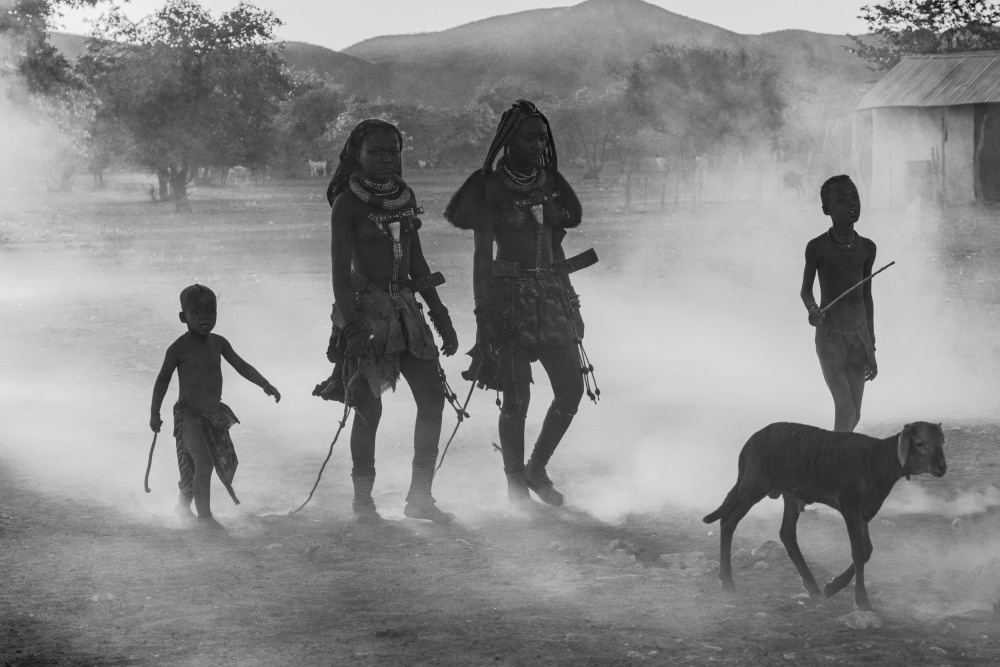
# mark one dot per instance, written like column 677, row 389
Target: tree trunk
column 163, row 177
column 628, row 185
column 66, row 180
column 178, row 183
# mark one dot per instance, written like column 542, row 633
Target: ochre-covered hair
column 352, row 148
column 469, row 198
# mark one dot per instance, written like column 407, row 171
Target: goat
column 851, row 472
column 792, row 180
column 317, row 167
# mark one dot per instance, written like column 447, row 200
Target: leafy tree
column 597, row 126
column 314, row 102
column 191, row 91
column 48, row 99
column 429, row 133
column 907, row 27
column 701, row 100
column 500, row 94
column 24, row 27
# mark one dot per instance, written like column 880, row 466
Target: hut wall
column 906, row 156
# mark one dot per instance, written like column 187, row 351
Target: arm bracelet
column 482, row 314
column 440, row 319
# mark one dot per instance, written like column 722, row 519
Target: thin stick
column 464, row 414
column 347, row 410
column 854, row 287
column 149, row 464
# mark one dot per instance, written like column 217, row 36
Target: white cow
column 237, row 174
column 317, row 167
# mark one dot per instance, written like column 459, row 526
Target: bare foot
column 209, row 523
column 429, row 511
column 368, row 516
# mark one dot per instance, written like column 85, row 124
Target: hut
column 929, row 132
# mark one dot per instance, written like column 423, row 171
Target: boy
column 201, row 419
column 845, row 334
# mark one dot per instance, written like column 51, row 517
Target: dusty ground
column 96, row 572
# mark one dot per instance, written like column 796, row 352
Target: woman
column 379, row 332
column 525, row 306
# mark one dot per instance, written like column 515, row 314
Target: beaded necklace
column 518, row 182
column 389, row 196
column 836, row 239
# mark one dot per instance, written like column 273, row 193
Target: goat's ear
column 904, row 445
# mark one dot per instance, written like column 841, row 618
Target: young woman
column 379, row 332
column 525, row 306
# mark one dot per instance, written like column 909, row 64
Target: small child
column 201, row 419
column 845, row 334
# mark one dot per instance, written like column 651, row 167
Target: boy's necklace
column 848, row 244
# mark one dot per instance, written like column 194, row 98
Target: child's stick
column 145, row 482
column 854, row 287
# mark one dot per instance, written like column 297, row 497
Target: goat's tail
column 725, row 507
column 728, row 504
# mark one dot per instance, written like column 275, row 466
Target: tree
column 25, row 27
column 429, row 133
column 48, row 99
column 907, row 27
column 594, row 124
column 701, row 100
column 313, row 103
column 191, row 91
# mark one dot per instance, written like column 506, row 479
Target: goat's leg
column 861, row 549
column 837, row 583
column 840, row 581
column 788, row 538
column 740, row 507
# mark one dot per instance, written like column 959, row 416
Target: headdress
column 511, row 119
column 352, row 148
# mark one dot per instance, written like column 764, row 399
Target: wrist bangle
column 813, row 306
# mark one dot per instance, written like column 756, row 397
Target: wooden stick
column 854, row 287
column 463, row 415
column 145, row 482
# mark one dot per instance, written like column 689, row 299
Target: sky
column 338, row 24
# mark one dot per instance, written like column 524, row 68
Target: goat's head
column 921, row 449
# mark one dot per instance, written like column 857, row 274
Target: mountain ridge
column 560, row 50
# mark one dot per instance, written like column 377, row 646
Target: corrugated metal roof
column 939, row 80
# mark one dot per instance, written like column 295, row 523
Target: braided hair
column 352, row 148
column 461, row 209
column 511, row 119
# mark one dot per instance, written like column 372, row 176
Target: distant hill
column 561, row 50
column 356, row 75
column 70, row 45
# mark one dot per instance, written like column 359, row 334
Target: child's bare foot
column 429, row 512
column 368, row 516
column 209, row 523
